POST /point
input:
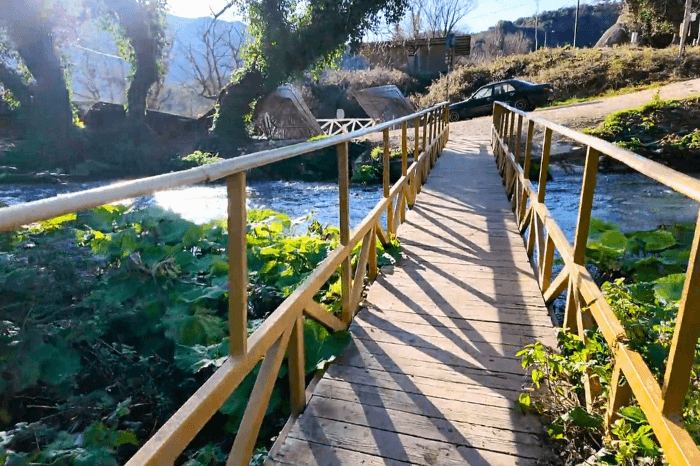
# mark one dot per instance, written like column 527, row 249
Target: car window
column 482, row 93
column 503, row 89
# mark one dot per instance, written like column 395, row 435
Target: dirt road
column 592, row 113
column 578, row 116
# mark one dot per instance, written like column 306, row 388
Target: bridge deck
column 431, row 377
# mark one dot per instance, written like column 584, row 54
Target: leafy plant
column 199, row 158
column 645, row 273
column 366, row 174
column 136, row 320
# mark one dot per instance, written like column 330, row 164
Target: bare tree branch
column 210, row 66
column 441, row 16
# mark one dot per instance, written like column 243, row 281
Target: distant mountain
column 98, row 73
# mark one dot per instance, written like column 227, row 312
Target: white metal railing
column 332, row 127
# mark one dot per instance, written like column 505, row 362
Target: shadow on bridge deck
column 431, row 377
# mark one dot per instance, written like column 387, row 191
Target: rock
column 615, row 35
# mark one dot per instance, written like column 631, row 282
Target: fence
column 282, row 331
column 345, row 126
column 586, row 306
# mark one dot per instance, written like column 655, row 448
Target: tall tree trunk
column 50, row 115
column 145, row 76
column 235, row 102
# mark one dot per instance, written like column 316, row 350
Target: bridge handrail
column 586, row 305
column 282, row 331
column 30, row 212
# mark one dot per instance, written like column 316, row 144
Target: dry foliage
column 572, row 72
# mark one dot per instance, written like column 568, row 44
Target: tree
column 441, row 16
column 289, row 37
column 211, row 64
column 140, row 30
column 31, row 31
column 655, row 20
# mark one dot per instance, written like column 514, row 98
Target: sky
column 486, row 14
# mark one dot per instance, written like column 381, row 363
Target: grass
column 608, row 93
column 662, row 130
column 576, row 75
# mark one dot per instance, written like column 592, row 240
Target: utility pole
column 537, row 19
column 578, row 3
column 685, row 26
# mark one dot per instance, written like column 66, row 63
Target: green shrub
column 199, row 158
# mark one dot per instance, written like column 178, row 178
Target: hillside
column 573, row 73
column 555, row 29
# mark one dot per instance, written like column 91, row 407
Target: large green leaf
column 321, row 346
column 656, row 240
column 598, row 227
column 669, row 289
column 614, row 240
column 581, row 417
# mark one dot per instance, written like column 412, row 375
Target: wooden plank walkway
column 431, row 376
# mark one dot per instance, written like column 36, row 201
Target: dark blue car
column 519, row 94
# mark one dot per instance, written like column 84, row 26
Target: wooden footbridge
column 431, row 376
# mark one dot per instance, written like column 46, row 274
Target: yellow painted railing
column 586, row 306
column 282, row 331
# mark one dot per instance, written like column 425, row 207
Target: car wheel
column 454, row 116
column 521, row 104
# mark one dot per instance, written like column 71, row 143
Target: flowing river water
column 630, row 200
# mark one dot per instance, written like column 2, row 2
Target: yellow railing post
column 519, row 139
column 387, row 183
column 416, row 153
column 344, row 190
column 582, row 225
column 404, row 171
column 685, row 336
column 544, row 165
column 295, row 360
column 373, row 255
column 237, row 265
column 404, row 149
column 511, row 132
column 620, row 394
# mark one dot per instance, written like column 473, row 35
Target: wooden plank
column 500, row 414
column 432, row 380
column 395, row 446
column 464, row 353
column 427, row 427
column 488, row 332
column 505, row 308
column 505, row 331
column 297, row 452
